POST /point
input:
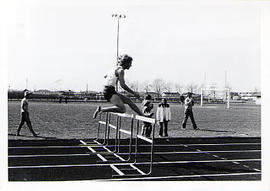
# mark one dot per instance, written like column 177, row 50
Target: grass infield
column 74, row 120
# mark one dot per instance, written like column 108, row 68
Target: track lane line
column 105, row 160
column 140, row 163
column 140, row 153
column 161, row 145
column 186, row 176
column 116, row 155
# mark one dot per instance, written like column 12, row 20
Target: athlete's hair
column 124, row 59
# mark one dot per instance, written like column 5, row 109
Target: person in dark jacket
column 189, row 102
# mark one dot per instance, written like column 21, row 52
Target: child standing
column 147, row 107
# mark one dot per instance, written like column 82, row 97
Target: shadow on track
column 218, row 131
column 28, row 136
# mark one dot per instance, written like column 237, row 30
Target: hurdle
column 107, row 123
column 153, row 122
column 119, row 130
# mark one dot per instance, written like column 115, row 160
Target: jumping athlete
column 118, row 100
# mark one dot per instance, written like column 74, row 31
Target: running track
column 223, row 158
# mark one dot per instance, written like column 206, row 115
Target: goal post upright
column 226, row 90
column 228, row 98
column 201, row 97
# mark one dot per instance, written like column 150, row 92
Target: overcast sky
column 68, row 44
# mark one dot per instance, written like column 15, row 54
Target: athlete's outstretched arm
column 124, row 85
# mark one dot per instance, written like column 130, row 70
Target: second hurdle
column 113, row 122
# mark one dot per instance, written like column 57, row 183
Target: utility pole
column 118, row 17
column 26, row 83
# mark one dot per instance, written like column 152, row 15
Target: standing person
column 189, row 102
column 147, row 107
column 66, row 99
column 163, row 117
column 118, row 100
column 25, row 115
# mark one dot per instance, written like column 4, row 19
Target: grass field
column 74, row 120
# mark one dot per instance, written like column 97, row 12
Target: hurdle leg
column 119, row 135
column 152, row 150
column 116, row 135
column 136, row 142
column 130, row 140
column 108, row 130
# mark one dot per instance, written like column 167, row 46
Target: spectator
column 163, row 117
column 25, row 115
column 147, row 107
column 189, row 102
column 66, row 99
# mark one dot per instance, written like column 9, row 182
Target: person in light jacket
column 163, row 116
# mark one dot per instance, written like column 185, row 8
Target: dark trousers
column 146, row 129
column 165, row 128
column 25, row 118
column 189, row 113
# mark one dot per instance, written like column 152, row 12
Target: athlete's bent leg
column 132, row 105
column 118, row 106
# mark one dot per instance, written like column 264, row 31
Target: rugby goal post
column 215, row 95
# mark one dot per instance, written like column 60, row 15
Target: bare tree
column 158, row 86
column 256, row 89
column 192, row 87
column 178, row 87
column 134, row 86
column 200, row 87
column 168, row 86
column 146, row 86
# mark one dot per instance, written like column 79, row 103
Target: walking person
column 147, row 107
column 118, row 100
column 25, row 115
column 163, row 116
column 189, row 102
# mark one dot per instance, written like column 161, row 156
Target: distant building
column 257, row 98
column 171, row 96
column 196, row 97
column 88, row 95
column 44, row 92
column 154, row 95
column 252, row 96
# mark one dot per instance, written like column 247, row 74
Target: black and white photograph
column 135, row 94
